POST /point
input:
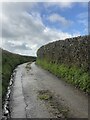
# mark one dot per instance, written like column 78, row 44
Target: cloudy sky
column 26, row 26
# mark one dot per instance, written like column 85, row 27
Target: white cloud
column 24, row 32
column 62, row 5
column 66, row 4
column 58, row 18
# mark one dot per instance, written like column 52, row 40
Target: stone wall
column 71, row 51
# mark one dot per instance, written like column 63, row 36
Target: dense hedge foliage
column 9, row 62
column 73, row 74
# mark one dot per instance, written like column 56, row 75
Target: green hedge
column 72, row 75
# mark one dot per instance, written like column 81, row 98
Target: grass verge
column 73, row 75
column 9, row 62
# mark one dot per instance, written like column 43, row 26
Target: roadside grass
column 9, row 62
column 71, row 74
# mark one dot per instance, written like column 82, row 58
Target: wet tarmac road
column 30, row 80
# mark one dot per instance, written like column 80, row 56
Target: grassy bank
column 9, row 62
column 72, row 75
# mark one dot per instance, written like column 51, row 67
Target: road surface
column 25, row 103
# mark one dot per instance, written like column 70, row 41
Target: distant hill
column 9, row 62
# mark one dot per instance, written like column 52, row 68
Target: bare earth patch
column 52, row 103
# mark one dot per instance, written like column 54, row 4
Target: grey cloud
column 13, row 46
column 7, row 33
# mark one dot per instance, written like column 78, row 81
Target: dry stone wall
column 71, row 51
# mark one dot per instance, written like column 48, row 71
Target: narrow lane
column 28, row 82
column 24, row 102
column 18, row 103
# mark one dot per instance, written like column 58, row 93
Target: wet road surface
column 30, row 80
